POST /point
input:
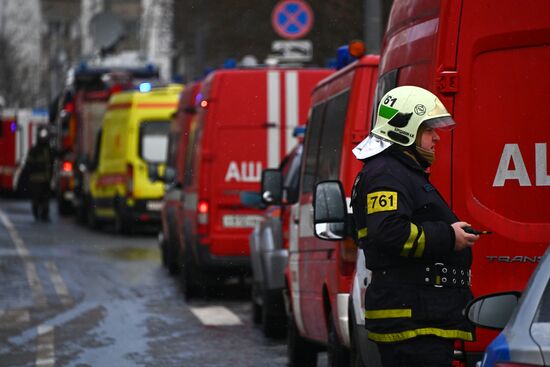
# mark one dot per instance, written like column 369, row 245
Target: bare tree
column 18, row 65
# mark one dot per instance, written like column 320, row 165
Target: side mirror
column 272, row 186
column 329, row 211
column 169, row 175
column 153, row 172
column 492, row 311
column 251, row 199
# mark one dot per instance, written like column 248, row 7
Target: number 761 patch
column 381, row 201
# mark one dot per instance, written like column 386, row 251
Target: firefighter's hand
column 462, row 239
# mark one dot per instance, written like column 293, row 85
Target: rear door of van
column 500, row 175
column 251, row 116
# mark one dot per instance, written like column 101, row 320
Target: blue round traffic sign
column 292, row 19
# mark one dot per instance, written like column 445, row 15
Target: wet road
column 70, row 296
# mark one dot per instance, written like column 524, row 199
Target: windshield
column 154, row 141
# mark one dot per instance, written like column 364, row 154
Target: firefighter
column 39, row 164
column 418, row 251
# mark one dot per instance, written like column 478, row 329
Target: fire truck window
column 328, row 165
column 195, row 134
column 312, row 147
column 291, row 176
column 173, row 143
column 154, row 141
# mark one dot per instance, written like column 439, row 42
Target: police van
column 246, row 118
column 134, row 135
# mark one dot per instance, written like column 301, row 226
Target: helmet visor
column 442, row 122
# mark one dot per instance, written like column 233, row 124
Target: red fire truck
column 319, row 273
column 245, row 123
column 18, row 128
column 487, row 62
column 176, row 164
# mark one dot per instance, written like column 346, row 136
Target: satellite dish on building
column 106, row 30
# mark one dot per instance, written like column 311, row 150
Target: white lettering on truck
column 245, row 172
column 512, row 153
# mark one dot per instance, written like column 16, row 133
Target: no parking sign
column 292, row 19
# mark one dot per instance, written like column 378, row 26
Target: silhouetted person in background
column 39, row 162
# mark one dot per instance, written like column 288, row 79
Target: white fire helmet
column 400, row 113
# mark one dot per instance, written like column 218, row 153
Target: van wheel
column 162, row 248
column 301, row 352
column 338, row 355
column 273, row 315
column 63, row 206
column 172, row 256
column 187, row 283
column 256, row 307
column 122, row 223
column 82, row 211
column 92, row 220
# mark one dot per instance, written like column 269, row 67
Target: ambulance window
column 312, row 147
column 328, row 166
column 154, row 141
column 195, row 134
column 385, row 83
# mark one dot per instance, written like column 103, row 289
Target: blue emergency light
column 343, row 57
column 299, row 131
column 145, row 87
column 13, row 127
column 230, row 63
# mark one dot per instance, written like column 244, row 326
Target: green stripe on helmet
column 387, row 112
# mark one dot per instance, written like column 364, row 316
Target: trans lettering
column 514, row 259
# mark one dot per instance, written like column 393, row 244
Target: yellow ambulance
column 133, row 137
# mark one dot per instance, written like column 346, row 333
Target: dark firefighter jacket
column 39, row 164
column 403, row 226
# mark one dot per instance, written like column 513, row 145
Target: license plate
column 154, row 205
column 241, row 221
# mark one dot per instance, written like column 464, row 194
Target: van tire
column 187, row 283
column 256, row 313
column 92, row 220
column 301, row 352
column 82, row 211
column 64, row 207
column 172, row 255
column 338, row 355
column 256, row 306
column 122, row 223
column 273, row 314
